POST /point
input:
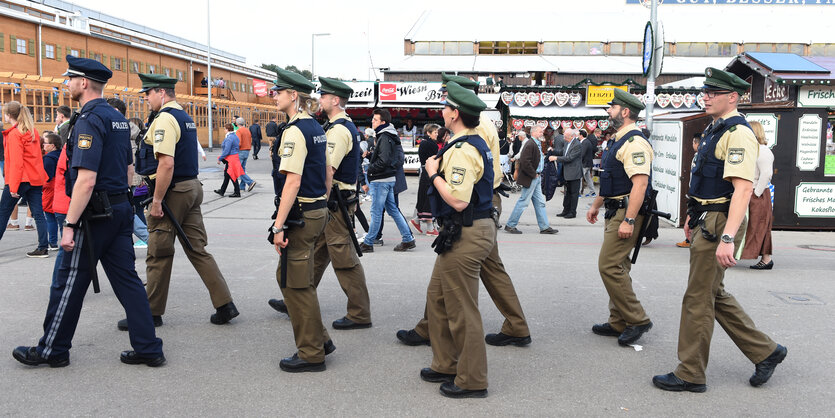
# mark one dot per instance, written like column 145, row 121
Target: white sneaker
column 251, row 186
column 140, row 244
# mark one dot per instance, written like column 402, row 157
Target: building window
column 134, row 66
column 167, row 72
column 152, row 69
column 21, row 46
column 96, row 57
column 180, row 76
column 117, row 64
column 49, row 51
column 465, row 48
column 74, row 52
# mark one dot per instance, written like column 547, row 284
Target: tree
column 274, row 68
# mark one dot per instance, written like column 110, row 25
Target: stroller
column 507, row 174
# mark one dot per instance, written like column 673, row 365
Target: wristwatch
column 630, row 221
column 67, row 224
column 275, row 230
column 727, row 238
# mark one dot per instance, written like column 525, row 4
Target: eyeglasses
column 273, row 93
column 711, row 94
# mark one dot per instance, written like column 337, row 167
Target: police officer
column 720, row 188
column 98, row 227
column 168, row 155
column 499, row 286
column 461, row 191
column 624, row 182
column 336, row 244
column 301, row 179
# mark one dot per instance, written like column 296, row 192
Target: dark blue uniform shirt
column 101, row 142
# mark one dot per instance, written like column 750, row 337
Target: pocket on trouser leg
column 343, row 256
column 161, row 241
column 299, row 269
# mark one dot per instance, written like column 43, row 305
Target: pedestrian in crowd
column 496, row 280
column 24, row 172
column 444, row 136
column 336, row 244
column 589, row 145
column 245, row 139
column 232, row 169
column 462, row 180
column 96, row 177
column 758, row 234
column 271, row 130
column 255, row 133
column 409, row 129
column 530, row 162
column 62, row 122
column 424, row 221
column 52, row 150
column 60, row 206
column 204, row 82
column 720, row 188
column 2, row 153
column 301, row 181
column 697, row 138
column 382, row 173
column 400, row 186
column 572, row 161
column 177, row 195
column 627, row 165
column 559, row 141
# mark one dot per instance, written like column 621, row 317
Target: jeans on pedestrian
column 533, row 193
column 244, row 180
column 140, row 229
column 588, row 181
column 51, row 228
column 33, row 195
column 59, row 219
column 382, row 195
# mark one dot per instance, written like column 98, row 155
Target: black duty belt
column 183, row 178
column 616, row 203
column 319, row 204
column 118, row 198
column 483, row 215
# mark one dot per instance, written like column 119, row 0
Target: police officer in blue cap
column 98, row 227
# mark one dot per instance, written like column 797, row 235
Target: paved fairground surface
column 232, row 370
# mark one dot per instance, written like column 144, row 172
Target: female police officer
column 462, row 188
column 301, row 182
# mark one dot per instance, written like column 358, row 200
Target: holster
column 450, row 231
column 99, row 207
column 697, row 213
column 612, row 206
column 294, row 218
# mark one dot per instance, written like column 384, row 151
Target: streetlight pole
column 655, row 64
column 209, row 67
column 313, row 53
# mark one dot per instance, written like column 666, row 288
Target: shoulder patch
column 287, row 150
column 457, row 177
column 331, row 146
column 159, row 136
column 459, row 144
column 85, row 141
column 631, row 138
column 736, row 156
column 732, row 128
column 638, row 158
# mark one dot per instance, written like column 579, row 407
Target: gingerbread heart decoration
column 518, row 124
column 533, row 99
column 520, row 98
column 562, row 98
column 579, row 124
column 603, row 124
column 575, row 99
column 677, row 100
column 507, row 97
column 542, row 123
column 689, row 99
column 547, row 98
column 529, row 123
column 555, row 124
column 700, row 99
column 663, row 100
column 591, row 125
column 498, row 123
column 566, row 124
column 640, row 97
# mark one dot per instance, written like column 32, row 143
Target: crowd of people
column 319, row 173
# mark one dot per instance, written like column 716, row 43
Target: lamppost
column 313, row 53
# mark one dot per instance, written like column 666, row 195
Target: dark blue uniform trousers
column 113, row 246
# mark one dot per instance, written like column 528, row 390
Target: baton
column 94, row 274
column 343, row 209
column 167, row 212
column 283, row 258
column 649, row 213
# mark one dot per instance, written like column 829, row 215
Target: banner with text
column 410, row 93
column 259, row 87
column 666, row 166
column 814, row 200
column 602, row 95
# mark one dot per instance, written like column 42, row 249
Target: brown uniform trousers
column 614, row 265
column 705, row 300
column 300, row 292
column 184, row 200
column 335, row 245
column 501, row 290
column 455, row 327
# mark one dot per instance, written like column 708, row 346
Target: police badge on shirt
column 457, row 177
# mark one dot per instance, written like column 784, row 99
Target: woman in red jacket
column 25, row 175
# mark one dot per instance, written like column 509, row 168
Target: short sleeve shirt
column 293, row 148
column 164, row 132
column 739, row 149
column 487, row 130
column 340, row 143
column 462, row 168
column 636, row 156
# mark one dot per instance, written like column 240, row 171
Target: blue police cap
column 87, row 68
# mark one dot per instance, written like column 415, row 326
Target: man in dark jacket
column 382, row 172
column 531, row 163
column 255, row 132
column 589, row 146
column 400, row 185
column 572, row 171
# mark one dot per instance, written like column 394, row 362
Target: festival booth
column 418, row 101
column 361, row 103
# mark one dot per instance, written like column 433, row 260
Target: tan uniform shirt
column 462, row 168
column 636, row 154
column 487, row 130
column 293, row 148
column 340, row 143
column 739, row 149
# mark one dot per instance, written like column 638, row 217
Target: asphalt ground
column 232, row 370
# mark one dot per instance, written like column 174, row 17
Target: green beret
column 463, row 99
column 723, row 80
column 293, row 81
column 335, row 87
column 462, row 81
column 152, row 81
column 626, row 100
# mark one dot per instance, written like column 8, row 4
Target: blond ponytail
column 21, row 114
